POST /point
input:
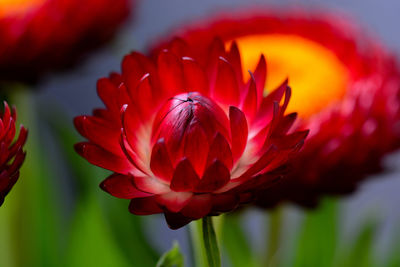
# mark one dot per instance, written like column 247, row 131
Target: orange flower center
column 317, row 77
column 11, row 7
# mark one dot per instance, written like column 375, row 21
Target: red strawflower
column 11, row 153
column 346, row 90
column 188, row 139
column 41, row 35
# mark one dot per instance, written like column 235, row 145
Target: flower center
column 316, row 75
column 13, row 7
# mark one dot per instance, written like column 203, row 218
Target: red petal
column 226, row 89
column 185, row 178
column 291, row 140
column 179, row 48
column 144, row 206
column 285, row 124
column 239, row 131
column 198, row 207
column 102, row 158
column 134, row 67
column 260, row 164
column 121, row 186
column 195, row 78
column 171, row 73
column 100, row 132
column 106, row 91
column 196, row 147
column 234, row 58
column 142, row 96
column 215, row 177
column 160, row 162
column 150, row 185
column 260, row 75
column 176, row 220
column 250, row 100
column 174, row 201
column 224, row 202
column 265, row 110
column 220, row 150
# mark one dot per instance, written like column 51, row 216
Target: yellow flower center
column 11, row 7
column 317, row 77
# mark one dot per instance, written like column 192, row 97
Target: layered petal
column 12, row 154
column 186, row 126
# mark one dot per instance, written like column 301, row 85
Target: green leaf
column 235, row 243
column 361, row 253
column 210, row 243
column 171, row 258
column 317, row 241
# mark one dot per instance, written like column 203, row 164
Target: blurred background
column 91, row 226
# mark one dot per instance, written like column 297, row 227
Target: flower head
column 11, row 153
column 187, row 137
column 346, row 90
column 42, row 35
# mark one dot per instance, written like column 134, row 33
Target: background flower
column 345, row 89
column 42, row 35
column 11, row 151
column 196, row 140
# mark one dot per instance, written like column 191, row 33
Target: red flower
column 11, row 153
column 188, row 139
column 41, row 35
column 345, row 90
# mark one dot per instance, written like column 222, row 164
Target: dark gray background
column 74, row 92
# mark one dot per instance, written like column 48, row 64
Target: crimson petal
column 121, row 186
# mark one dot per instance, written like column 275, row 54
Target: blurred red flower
column 345, row 90
column 187, row 137
column 41, row 35
column 11, row 153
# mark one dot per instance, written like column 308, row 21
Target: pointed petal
column 220, row 150
column 170, row 72
column 198, row 207
column 176, row 220
column 239, row 131
column 196, row 147
column 102, row 158
column 250, row 100
column 106, row 90
column 185, row 177
column 174, row 201
column 150, row 185
column 215, row 177
column 260, row 164
column 90, row 127
column 265, row 110
column 224, row 202
column 226, row 89
column 234, row 58
column 260, row 76
column 194, row 76
column 134, row 67
column 121, row 186
column 160, row 162
column 144, row 206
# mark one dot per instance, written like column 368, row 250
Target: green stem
column 204, row 243
column 274, row 236
column 210, row 243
